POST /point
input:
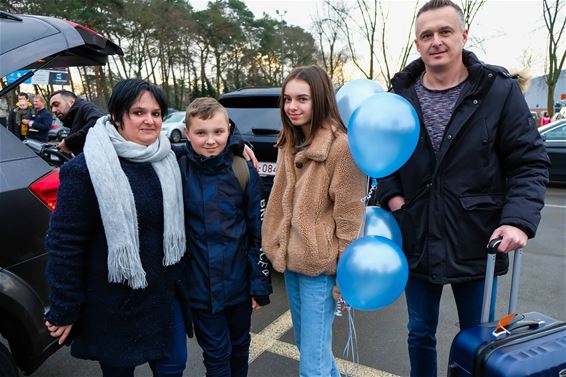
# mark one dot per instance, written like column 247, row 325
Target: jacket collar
column 320, row 146
column 70, row 117
column 408, row 76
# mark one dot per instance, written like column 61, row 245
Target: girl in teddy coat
column 314, row 211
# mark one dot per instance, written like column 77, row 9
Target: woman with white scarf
column 116, row 242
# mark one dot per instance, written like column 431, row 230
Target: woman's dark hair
column 126, row 92
column 324, row 107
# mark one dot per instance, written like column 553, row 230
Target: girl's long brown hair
column 324, row 107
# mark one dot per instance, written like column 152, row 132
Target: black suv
column 256, row 113
column 28, row 187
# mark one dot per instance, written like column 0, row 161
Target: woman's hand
column 61, row 332
column 249, row 155
column 255, row 305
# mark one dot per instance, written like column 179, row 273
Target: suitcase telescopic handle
column 489, row 276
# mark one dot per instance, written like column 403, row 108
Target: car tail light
column 45, row 188
column 54, row 125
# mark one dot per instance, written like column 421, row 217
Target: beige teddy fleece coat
column 315, row 208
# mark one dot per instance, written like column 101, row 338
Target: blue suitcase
column 530, row 344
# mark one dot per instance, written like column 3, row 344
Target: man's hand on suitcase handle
column 511, row 237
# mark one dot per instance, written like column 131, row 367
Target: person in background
column 227, row 275
column 76, row 114
column 314, row 211
column 40, row 123
column 116, row 242
column 23, row 109
column 545, row 119
column 479, row 172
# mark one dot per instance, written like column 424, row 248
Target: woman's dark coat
column 115, row 324
column 491, row 170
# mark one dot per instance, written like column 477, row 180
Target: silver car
column 173, row 126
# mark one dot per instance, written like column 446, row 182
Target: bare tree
column 360, row 19
column 555, row 21
column 470, row 9
column 385, row 70
column 369, row 20
column 333, row 55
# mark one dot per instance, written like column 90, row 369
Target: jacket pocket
column 470, row 225
column 482, row 202
column 326, row 247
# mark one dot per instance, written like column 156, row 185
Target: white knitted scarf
column 102, row 148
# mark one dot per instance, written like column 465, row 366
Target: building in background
column 537, row 93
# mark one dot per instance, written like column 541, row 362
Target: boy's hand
column 255, row 305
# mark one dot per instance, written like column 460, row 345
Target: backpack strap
column 240, row 168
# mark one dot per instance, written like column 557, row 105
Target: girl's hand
column 255, row 305
column 336, row 293
column 61, row 332
column 249, row 155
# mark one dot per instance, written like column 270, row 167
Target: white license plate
column 267, row 168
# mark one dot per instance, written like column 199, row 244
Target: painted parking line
column 268, row 340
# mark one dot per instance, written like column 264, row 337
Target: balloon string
column 365, row 200
column 372, row 188
column 351, row 348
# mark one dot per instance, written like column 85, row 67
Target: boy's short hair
column 204, row 108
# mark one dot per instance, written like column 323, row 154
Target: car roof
column 552, row 125
column 251, row 98
column 253, row 92
column 28, row 41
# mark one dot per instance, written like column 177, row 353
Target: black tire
column 8, row 367
column 175, row 136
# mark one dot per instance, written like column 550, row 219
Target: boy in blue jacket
column 227, row 275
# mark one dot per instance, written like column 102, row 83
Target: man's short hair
column 40, row 97
column 64, row 93
column 437, row 4
column 22, row 94
column 204, row 108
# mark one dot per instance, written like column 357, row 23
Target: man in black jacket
column 78, row 115
column 479, row 172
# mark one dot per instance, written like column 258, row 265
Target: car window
column 175, row 117
column 556, row 134
column 249, row 120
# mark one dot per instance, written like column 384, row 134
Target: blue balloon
column 380, row 222
column 351, row 95
column 383, row 133
column 372, row 273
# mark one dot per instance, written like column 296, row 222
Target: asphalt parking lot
column 381, row 334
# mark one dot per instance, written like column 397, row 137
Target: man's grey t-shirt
column 437, row 107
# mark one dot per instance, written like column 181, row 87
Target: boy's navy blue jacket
column 225, row 265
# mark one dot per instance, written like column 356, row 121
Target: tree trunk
column 551, row 86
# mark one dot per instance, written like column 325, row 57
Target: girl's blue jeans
column 312, row 311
